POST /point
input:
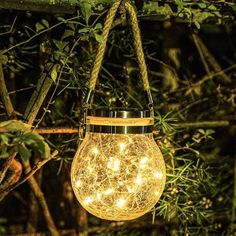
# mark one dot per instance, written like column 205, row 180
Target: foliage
column 19, row 138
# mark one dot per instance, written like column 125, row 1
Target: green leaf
column 45, row 23
column 41, row 25
column 67, row 33
column 98, row 26
column 3, row 59
column 179, row 3
column 35, row 142
column 5, row 138
column 202, row 5
column 188, row 12
column 99, row 38
column 86, row 10
column 24, row 152
column 210, row 131
column 61, row 19
column 53, row 73
column 84, row 30
column 15, row 125
column 196, row 23
column 22, row 140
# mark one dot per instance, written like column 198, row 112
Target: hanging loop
column 124, row 4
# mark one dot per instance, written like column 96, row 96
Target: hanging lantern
column 118, row 173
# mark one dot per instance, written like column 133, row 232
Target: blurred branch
column 113, row 227
column 61, row 130
column 41, row 199
column 5, row 96
column 160, row 13
column 56, row 6
column 204, row 124
column 208, row 59
column 5, row 166
column 11, row 28
column 36, row 100
column 35, row 104
column 7, row 190
column 201, row 53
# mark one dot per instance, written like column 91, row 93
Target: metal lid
column 119, row 112
column 119, row 121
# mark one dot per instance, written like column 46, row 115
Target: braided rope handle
column 137, row 42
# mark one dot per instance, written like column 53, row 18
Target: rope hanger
column 128, row 7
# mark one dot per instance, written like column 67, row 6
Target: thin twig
column 41, row 199
column 5, row 96
column 6, row 191
column 10, row 30
column 211, row 59
column 201, row 54
column 5, row 166
column 172, row 69
column 204, row 124
column 64, row 130
column 38, row 34
column 211, row 76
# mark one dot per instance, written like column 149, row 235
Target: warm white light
column 77, row 183
column 122, row 147
column 113, row 164
column 118, row 176
column 158, row 174
column 108, row 191
column 88, row 200
column 95, row 150
column 143, row 162
column 120, row 202
column 138, row 180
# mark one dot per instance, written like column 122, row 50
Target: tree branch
column 41, row 199
column 64, row 130
column 7, row 190
column 208, row 59
column 5, row 96
column 201, row 54
column 160, row 13
column 204, row 124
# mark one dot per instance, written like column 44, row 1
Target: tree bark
column 55, row 6
column 226, row 15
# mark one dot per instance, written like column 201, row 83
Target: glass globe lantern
column 118, row 172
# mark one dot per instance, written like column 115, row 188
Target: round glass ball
column 118, row 176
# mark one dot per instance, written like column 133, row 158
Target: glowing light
column 108, row 191
column 113, row 164
column 88, row 200
column 130, row 189
column 138, row 180
column 143, row 161
column 95, row 150
column 158, row 175
column 120, row 202
column 99, row 196
column 78, row 183
column 122, row 147
column 111, row 186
